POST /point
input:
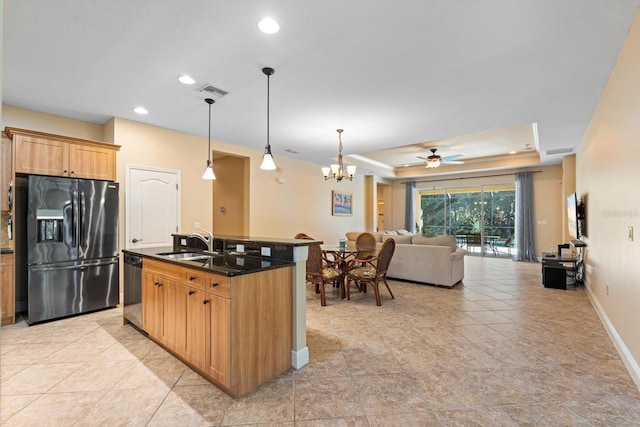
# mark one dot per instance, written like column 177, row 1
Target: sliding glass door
column 482, row 218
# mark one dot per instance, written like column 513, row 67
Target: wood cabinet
column 6, row 174
column 152, row 304
column 235, row 331
column 47, row 154
column 7, row 295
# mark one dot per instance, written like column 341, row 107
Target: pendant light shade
column 208, row 172
column 267, row 157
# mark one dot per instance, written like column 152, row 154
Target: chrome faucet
column 206, row 240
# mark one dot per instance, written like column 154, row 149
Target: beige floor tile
column 11, row 405
column 271, row 402
column 197, row 405
column 498, row 349
column 37, row 378
column 319, row 398
column 388, row 394
column 56, row 409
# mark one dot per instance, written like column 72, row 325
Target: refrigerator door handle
column 74, row 218
column 80, row 209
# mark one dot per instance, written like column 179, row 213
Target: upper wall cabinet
column 6, row 172
column 46, row 154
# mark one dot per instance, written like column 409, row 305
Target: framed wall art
column 341, row 203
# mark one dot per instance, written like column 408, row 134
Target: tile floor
column 499, row 350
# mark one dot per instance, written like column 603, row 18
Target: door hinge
column 176, row 186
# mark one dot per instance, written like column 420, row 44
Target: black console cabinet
column 558, row 272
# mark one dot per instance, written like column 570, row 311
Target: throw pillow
column 398, row 239
column 402, row 232
column 352, row 235
column 390, row 232
column 436, row 241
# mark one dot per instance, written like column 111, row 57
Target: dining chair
column 373, row 271
column 366, row 245
column 321, row 271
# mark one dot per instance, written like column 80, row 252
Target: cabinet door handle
column 205, row 301
column 192, row 278
column 192, row 292
column 214, row 284
column 64, row 171
column 73, row 172
column 158, row 284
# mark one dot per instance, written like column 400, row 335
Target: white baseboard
column 300, row 358
column 623, row 351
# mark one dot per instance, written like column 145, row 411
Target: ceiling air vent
column 292, row 151
column 559, row 151
column 212, row 91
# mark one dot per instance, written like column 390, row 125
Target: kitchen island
column 236, row 319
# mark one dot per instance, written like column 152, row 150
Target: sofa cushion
column 398, row 239
column 378, row 236
column 435, row 241
column 402, row 232
column 390, row 232
column 353, row 235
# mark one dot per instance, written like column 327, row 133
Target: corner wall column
column 300, row 351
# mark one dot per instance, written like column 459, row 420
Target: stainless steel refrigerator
column 72, row 247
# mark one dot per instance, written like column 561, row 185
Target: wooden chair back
column 366, row 245
column 384, row 257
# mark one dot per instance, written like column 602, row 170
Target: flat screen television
column 572, row 216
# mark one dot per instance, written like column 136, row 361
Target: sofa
column 432, row 260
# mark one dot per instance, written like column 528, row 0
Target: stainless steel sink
column 186, row 256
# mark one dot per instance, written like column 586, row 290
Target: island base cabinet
column 234, row 331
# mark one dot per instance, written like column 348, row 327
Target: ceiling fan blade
column 452, row 162
column 423, row 158
column 452, row 157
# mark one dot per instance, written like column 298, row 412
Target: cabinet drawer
column 167, row 269
column 194, row 278
column 217, row 285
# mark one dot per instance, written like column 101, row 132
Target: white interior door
column 152, row 206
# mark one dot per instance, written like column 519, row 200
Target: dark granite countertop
column 228, row 264
column 6, row 251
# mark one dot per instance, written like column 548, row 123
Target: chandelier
column 337, row 172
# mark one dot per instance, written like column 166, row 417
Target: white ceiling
column 469, row 77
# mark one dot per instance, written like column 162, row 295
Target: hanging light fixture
column 208, row 172
column 267, row 158
column 337, row 172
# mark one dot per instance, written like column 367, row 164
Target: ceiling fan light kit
column 434, row 160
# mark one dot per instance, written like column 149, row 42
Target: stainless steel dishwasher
column 133, row 289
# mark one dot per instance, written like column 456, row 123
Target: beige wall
column 229, row 204
column 547, row 187
column 607, row 177
column 42, row 122
column 301, row 203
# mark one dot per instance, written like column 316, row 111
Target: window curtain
column 525, row 230
column 410, row 208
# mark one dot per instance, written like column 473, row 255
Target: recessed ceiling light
column 140, row 110
column 269, row 26
column 512, row 152
column 188, row 80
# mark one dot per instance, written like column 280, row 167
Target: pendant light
column 267, row 158
column 208, row 172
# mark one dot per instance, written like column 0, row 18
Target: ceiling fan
column 434, row 160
